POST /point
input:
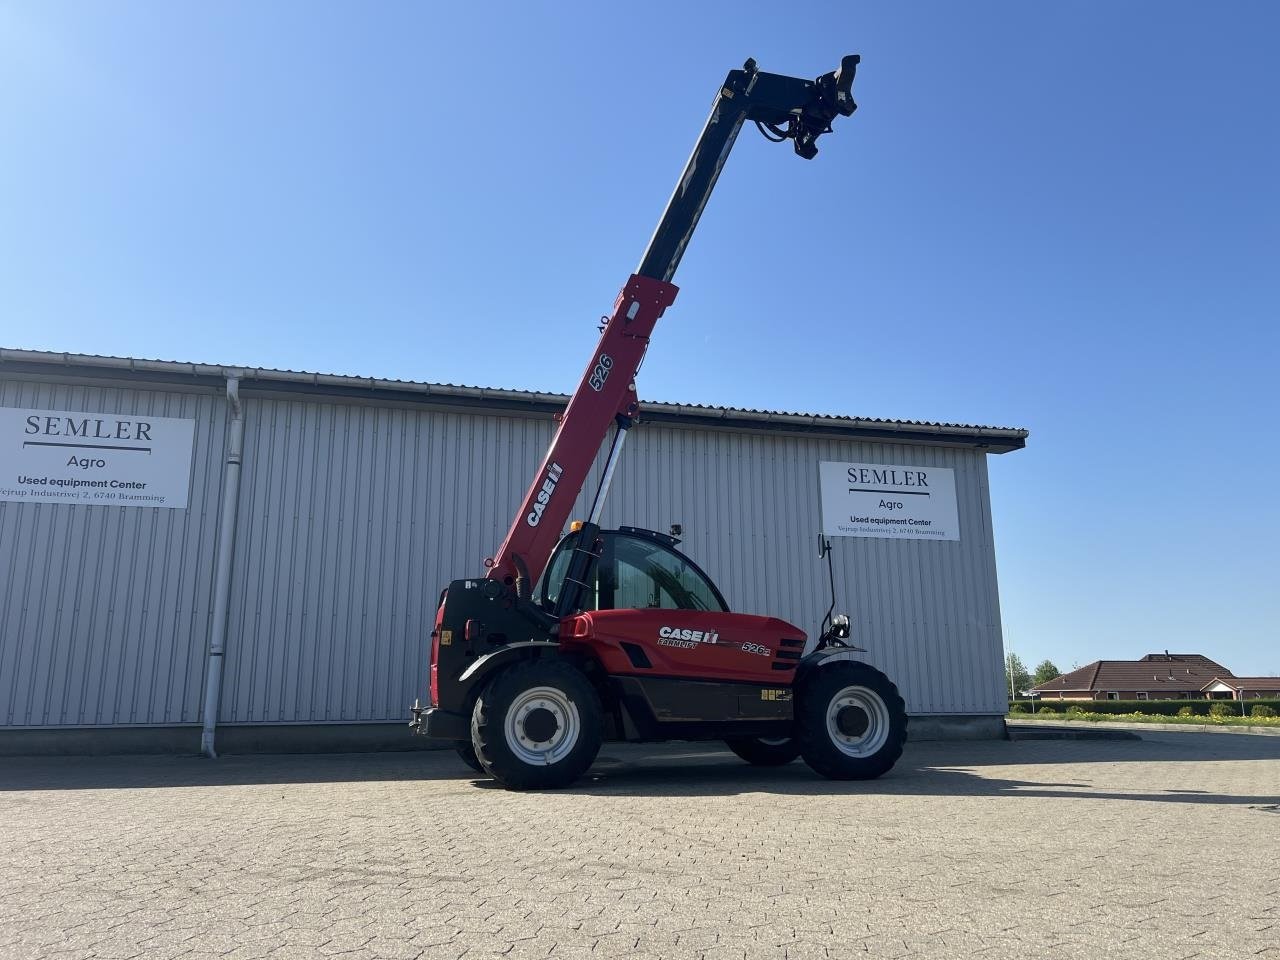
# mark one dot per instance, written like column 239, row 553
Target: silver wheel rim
column 568, row 726
column 876, row 734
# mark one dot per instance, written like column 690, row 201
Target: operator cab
column 637, row 569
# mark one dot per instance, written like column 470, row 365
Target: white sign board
column 121, row 460
column 888, row 500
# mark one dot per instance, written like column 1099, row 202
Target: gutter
column 223, row 554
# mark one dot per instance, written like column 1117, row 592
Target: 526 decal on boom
column 601, row 372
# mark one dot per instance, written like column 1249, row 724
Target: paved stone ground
column 1168, row 847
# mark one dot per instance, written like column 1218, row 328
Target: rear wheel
column 765, row 753
column 851, row 722
column 537, row 725
column 467, row 754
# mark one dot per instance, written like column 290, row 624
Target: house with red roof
column 1157, row 676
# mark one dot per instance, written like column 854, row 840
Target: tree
column 1015, row 674
column 1046, row 672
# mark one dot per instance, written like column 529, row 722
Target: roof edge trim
column 993, row 439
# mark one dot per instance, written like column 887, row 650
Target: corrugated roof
column 995, row 439
column 1155, row 671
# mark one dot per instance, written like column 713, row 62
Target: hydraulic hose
column 524, row 589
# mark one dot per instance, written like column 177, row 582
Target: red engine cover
column 688, row 643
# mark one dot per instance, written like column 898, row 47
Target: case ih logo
column 685, row 639
column 554, row 470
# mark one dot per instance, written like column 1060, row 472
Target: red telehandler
column 614, row 634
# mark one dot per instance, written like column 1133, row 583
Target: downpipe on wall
column 222, row 567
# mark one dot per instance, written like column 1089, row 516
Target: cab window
column 648, row 574
column 634, row 573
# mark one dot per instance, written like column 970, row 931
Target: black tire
column 467, row 754
column 851, row 722
column 765, row 753
column 537, row 725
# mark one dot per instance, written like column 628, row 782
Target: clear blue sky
column 1061, row 216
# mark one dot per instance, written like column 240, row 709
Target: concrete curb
column 232, row 739
column 1162, row 727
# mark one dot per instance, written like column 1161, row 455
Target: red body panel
column 695, row 644
column 606, row 390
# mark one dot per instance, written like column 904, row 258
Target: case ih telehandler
column 614, row 634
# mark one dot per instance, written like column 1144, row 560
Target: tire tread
column 489, row 739
column 816, row 747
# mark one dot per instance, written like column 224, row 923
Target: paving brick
column 1027, row 849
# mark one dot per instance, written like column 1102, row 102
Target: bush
column 1220, row 709
column 1186, row 712
column 1017, row 708
column 1158, row 708
column 1049, row 710
column 1075, row 708
column 1262, row 710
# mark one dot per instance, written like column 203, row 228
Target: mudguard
column 476, row 675
column 819, row 658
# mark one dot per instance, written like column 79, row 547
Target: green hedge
column 1163, row 708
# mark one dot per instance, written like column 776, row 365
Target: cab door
column 637, row 570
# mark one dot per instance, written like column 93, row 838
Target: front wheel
column 850, row 721
column 537, row 725
column 765, row 753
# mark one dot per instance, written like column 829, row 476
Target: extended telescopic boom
column 784, row 108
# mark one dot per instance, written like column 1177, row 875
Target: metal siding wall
column 353, row 516
column 104, row 611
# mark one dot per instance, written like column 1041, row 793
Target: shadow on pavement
column 685, row 769
column 933, row 774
